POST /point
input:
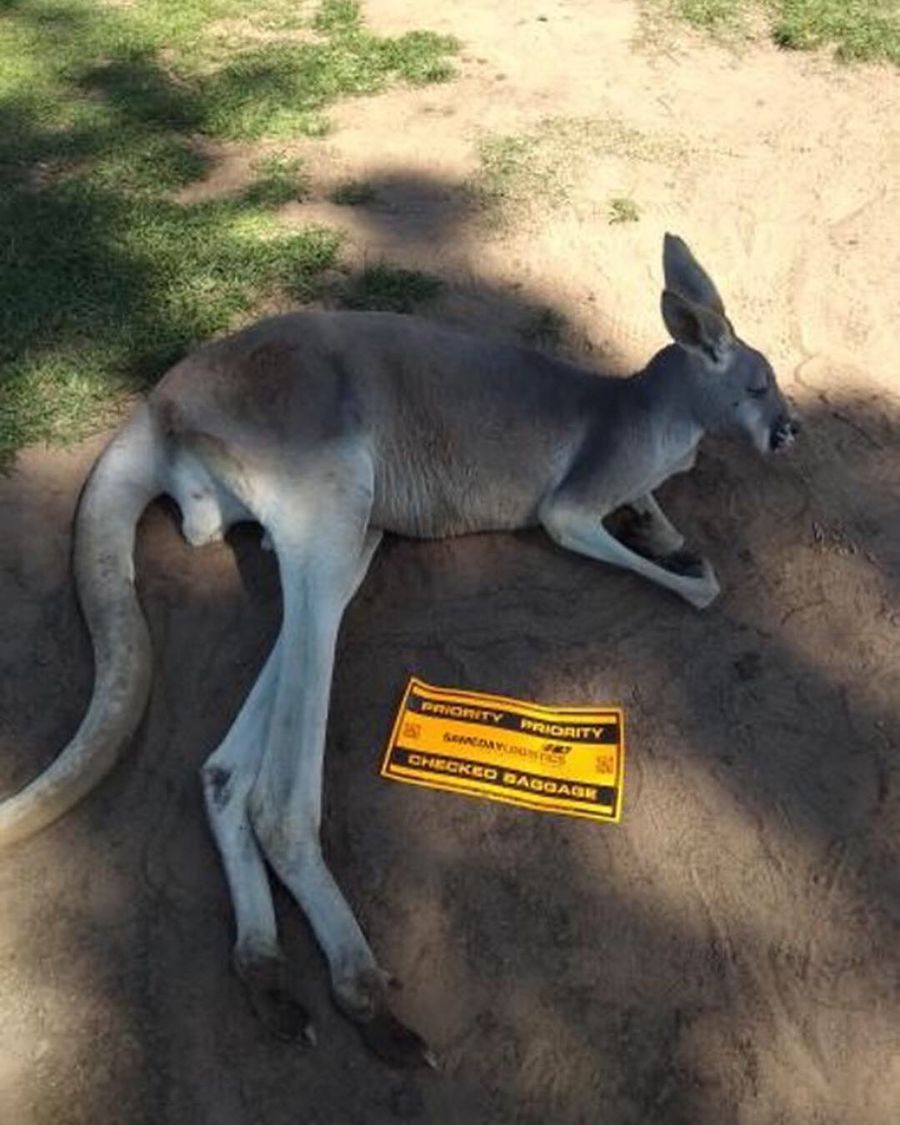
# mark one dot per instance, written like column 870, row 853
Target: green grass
column 862, row 30
column 514, row 170
column 714, row 15
column 106, row 278
column 278, row 179
column 103, row 292
column 529, row 172
column 623, row 209
column 391, row 289
column 338, row 16
column 544, row 328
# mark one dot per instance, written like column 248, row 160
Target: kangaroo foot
column 274, row 998
column 363, row 998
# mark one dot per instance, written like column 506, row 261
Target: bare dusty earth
column 729, row 952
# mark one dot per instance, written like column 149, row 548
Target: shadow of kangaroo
column 330, row 428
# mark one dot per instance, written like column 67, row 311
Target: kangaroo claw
column 363, row 998
column 685, row 563
column 273, row 998
column 396, row 1043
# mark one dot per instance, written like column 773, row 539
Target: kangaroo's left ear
column 686, row 277
column 699, row 329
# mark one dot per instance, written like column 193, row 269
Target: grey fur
column 329, row 429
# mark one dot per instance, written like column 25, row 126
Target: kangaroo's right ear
column 685, row 276
column 698, row 328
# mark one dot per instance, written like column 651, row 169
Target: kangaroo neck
column 665, row 392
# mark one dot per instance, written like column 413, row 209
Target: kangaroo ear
column 686, row 277
column 697, row 328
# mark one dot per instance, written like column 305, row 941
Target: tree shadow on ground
column 555, row 964
column 742, row 920
column 107, row 278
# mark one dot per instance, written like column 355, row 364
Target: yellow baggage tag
column 567, row 760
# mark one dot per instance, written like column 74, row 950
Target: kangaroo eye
column 757, row 392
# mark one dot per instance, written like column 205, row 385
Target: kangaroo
column 330, row 428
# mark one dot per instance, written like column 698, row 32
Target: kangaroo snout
column 784, row 430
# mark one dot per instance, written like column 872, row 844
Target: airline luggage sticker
column 567, row 760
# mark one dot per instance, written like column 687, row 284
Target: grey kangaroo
column 330, row 428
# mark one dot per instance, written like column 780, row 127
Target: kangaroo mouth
column 783, row 434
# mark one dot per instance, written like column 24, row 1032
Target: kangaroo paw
column 646, row 534
column 274, row 999
column 394, row 1042
column 363, row 998
column 685, row 563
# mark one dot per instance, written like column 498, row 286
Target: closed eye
column 757, row 392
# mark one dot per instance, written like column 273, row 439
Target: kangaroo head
column 733, row 385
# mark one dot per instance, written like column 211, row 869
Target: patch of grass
column 525, row 172
column 513, row 170
column 354, row 193
column 544, row 328
column 391, row 289
column 105, row 278
column 859, row 29
column 150, row 162
column 623, row 209
column 102, row 293
column 713, row 15
column 727, row 21
column 338, row 16
column 279, row 179
column 282, row 87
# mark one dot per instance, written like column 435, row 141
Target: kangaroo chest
column 649, row 481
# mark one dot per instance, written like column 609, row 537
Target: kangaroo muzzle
column 783, row 433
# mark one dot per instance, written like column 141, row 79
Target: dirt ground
column 729, row 953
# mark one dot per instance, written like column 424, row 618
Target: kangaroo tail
column 124, row 480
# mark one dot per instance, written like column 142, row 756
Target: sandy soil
column 729, row 953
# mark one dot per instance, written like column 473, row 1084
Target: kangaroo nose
column 790, row 419
column 783, row 432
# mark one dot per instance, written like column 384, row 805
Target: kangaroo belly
column 458, row 500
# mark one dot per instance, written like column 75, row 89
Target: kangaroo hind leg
column 228, row 776
column 321, row 544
